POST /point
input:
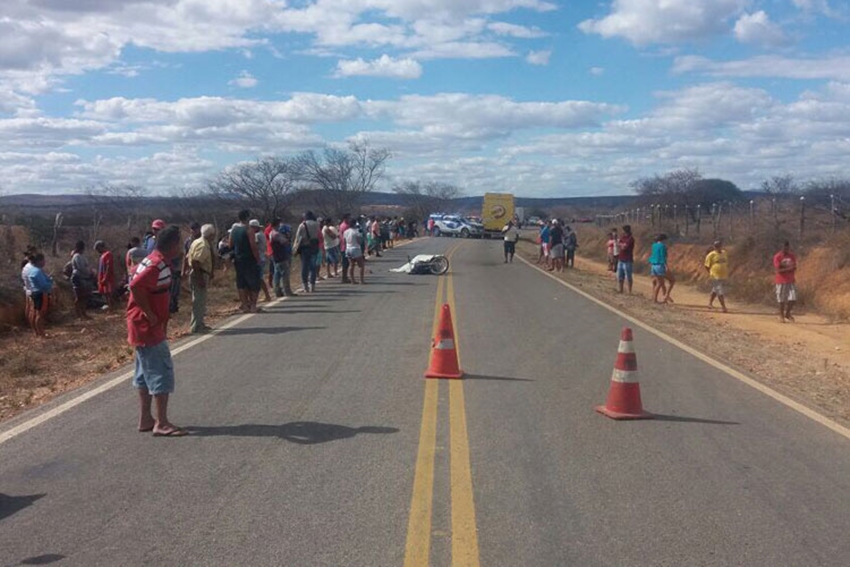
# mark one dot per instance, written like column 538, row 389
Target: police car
column 456, row 225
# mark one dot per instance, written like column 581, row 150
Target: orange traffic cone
column 624, row 395
column 444, row 363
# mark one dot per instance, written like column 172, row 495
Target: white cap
column 255, row 223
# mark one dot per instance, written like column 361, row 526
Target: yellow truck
column 498, row 209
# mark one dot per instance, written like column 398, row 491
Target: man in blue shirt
column 544, row 244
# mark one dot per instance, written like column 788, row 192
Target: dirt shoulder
column 808, row 360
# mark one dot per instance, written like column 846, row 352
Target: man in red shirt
column 343, row 226
column 147, row 321
column 626, row 258
column 269, row 252
column 785, row 264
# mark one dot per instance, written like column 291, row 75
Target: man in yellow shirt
column 717, row 266
column 200, row 259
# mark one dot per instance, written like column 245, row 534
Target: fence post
column 699, row 217
column 802, row 216
column 731, row 220
column 775, row 214
column 833, row 213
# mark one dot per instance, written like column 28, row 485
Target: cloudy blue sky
column 537, row 97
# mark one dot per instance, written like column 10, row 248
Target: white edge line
column 62, row 408
column 781, row 398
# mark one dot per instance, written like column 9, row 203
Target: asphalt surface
column 306, row 429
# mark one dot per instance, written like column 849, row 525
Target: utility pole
column 802, row 216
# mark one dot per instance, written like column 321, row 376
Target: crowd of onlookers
column 260, row 254
column 557, row 244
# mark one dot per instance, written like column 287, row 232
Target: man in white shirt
column 511, row 237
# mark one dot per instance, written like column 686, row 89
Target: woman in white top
column 354, row 251
column 331, row 238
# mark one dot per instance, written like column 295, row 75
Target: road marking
column 464, row 529
column 740, row 376
column 418, row 547
column 123, row 378
column 72, row 403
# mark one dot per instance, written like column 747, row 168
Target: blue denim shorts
column 658, row 270
column 154, row 369
column 624, row 271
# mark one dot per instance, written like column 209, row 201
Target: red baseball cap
column 158, row 224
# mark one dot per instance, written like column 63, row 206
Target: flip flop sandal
column 173, row 433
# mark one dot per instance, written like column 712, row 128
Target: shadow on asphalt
column 682, row 419
column 265, row 330
column 300, row 432
column 45, row 559
column 496, row 378
column 12, row 504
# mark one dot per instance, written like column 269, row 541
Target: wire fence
column 798, row 216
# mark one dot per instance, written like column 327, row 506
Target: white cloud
column 758, row 29
column 465, row 50
column 664, row 21
column 513, row 30
column 538, row 57
column 385, row 66
column 835, row 67
column 245, row 80
column 597, row 71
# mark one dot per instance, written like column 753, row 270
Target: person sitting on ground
column 41, row 286
column 105, row 274
column 717, row 266
column 147, row 321
column 511, row 236
column 785, row 264
column 82, row 280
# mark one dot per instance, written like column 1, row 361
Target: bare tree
column 123, row 201
column 340, row 177
column 425, row 198
column 780, row 186
column 267, row 184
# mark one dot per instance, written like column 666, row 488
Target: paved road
column 315, row 437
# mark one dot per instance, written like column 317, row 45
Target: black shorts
column 247, row 275
column 38, row 300
column 510, row 247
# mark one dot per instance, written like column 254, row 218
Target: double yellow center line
column 464, row 531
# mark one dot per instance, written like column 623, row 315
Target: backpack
column 312, row 244
column 68, row 270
